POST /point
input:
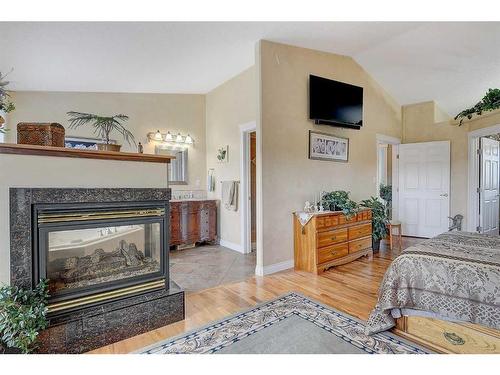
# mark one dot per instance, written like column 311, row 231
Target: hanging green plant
column 489, row 102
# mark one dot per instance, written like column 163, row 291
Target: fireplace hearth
column 105, row 254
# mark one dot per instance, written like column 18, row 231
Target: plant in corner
column 339, row 200
column 489, row 102
column 22, row 316
column 6, row 105
column 385, row 192
column 379, row 219
column 103, row 127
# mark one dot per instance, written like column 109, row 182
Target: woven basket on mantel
column 40, row 133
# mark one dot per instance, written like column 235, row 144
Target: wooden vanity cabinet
column 192, row 222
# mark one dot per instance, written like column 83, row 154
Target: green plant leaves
column 22, row 315
column 489, row 102
column 103, row 126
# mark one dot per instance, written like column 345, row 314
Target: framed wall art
column 323, row 146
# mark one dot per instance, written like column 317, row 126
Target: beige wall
column 228, row 106
column 425, row 122
column 43, row 171
column 147, row 113
column 289, row 178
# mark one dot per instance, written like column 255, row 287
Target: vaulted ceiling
column 452, row 63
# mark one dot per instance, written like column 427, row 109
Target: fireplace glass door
column 86, row 254
column 80, row 258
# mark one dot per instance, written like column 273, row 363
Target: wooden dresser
column 330, row 239
column 193, row 221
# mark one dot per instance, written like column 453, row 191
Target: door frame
column 395, row 142
column 246, row 219
column 473, row 174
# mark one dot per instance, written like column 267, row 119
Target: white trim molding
column 382, row 138
column 273, row 268
column 231, row 245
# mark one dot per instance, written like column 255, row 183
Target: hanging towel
column 211, row 180
column 230, row 195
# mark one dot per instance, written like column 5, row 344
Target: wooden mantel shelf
column 10, row 148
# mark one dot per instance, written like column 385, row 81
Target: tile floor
column 207, row 266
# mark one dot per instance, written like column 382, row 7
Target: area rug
column 290, row 324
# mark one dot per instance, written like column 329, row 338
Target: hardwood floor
column 351, row 288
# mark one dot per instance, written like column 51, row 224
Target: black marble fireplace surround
column 82, row 329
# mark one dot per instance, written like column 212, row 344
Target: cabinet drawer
column 332, row 252
column 358, row 245
column 360, row 231
column 456, row 338
column 331, row 237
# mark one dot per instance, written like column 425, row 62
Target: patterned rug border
column 389, row 336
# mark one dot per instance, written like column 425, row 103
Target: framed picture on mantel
column 323, row 146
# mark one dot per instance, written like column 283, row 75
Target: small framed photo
column 324, row 146
column 82, row 143
column 223, row 154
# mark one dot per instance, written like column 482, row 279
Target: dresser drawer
column 331, row 237
column 456, row 338
column 332, row 252
column 360, row 231
column 358, row 245
column 327, row 221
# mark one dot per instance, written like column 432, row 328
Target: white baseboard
column 273, row 268
column 233, row 246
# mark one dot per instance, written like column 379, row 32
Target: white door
column 424, row 188
column 488, row 186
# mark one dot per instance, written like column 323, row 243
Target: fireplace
column 95, row 252
column 105, row 253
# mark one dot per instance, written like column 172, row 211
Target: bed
column 444, row 293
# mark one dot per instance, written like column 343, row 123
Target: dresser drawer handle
column 453, row 338
column 334, row 253
column 334, row 238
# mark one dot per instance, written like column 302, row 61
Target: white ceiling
column 452, row 63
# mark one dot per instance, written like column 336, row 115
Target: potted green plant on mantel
column 6, row 105
column 103, row 127
column 379, row 220
column 22, row 316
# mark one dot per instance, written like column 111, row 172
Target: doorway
column 484, row 181
column 388, row 172
column 253, row 190
column 248, row 186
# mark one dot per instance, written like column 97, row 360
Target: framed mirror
column 177, row 168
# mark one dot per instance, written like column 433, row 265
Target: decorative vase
column 375, row 245
column 108, row 147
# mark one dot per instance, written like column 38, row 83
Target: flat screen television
column 335, row 103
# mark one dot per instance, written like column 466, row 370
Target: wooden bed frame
column 447, row 337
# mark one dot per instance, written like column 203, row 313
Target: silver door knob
column 443, row 195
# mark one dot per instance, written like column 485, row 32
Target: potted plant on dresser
column 6, row 105
column 379, row 220
column 103, row 127
column 22, row 316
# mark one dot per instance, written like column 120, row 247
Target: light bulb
column 189, row 140
column 169, row 137
column 179, row 138
column 158, row 136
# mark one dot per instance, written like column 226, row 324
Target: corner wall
column 289, row 178
column 227, row 107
